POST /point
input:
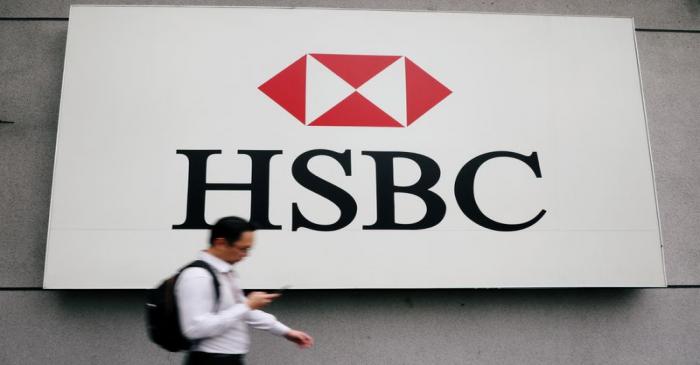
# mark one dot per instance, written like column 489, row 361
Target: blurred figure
column 220, row 330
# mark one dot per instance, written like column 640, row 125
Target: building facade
column 536, row 326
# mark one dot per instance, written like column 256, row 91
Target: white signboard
column 375, row 149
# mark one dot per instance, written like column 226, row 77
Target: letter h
column 197, row 186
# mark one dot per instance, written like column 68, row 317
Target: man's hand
column 300, row 338
column 258, row 299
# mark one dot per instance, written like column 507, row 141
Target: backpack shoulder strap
column 204, row 265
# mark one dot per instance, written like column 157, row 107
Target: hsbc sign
column 349, row 78
column 421, row 150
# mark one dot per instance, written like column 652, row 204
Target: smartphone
column 280, row 290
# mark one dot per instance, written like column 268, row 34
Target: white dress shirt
column 224, row 330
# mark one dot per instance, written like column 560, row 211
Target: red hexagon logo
column 355, row 90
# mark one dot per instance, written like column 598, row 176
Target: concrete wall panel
column 31, row 67
column 667, row 14
column 670, row 64
column 604, row 326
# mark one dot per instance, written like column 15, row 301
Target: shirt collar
column 217, row 263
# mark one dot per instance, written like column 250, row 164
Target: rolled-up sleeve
column 266, row 321
column 195, row 295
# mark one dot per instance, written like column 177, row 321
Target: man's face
column 236, row 251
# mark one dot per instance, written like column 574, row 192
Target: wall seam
column 655, row 30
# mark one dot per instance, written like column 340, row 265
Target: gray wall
column 591, row 326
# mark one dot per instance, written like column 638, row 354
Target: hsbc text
column 259, row 188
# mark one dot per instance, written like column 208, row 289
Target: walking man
column 221, row 329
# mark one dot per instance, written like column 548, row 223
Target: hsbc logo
column 355, row 90
column 352, row 91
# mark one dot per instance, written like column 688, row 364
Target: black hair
column 230, row 229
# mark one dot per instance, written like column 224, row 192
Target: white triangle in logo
column 324, row 89
column 387, row 90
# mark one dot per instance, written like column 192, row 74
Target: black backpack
column 162, row 319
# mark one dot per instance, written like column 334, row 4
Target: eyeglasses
column 243, row 250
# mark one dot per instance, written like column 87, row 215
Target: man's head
column 231, row 239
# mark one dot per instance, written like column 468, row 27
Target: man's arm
column 194, row 292
column 266, row 321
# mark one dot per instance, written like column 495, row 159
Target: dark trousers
column 207, row 358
